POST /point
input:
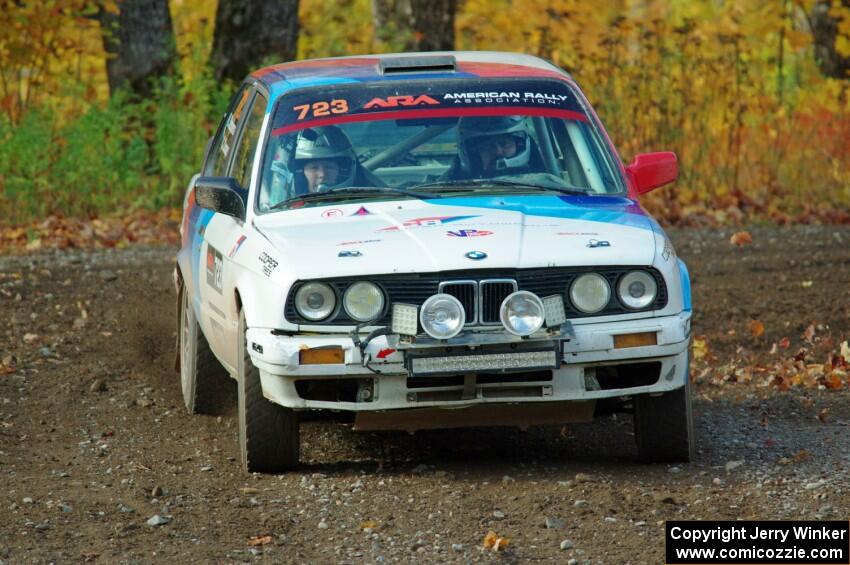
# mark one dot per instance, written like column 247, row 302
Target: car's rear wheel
column 201, row 375
column 664, row 428
column 269, row 435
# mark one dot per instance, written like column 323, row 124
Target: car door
column 225, row 233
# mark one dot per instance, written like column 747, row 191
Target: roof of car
column 404, row 66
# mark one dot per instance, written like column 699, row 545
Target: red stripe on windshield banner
column 434, row 113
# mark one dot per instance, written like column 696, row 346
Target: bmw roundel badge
column 476, row 255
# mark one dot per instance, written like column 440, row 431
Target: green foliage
column 115, row 157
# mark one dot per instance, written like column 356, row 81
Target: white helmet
column 475, row 129
column 326, row 142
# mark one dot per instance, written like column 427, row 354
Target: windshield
column 416, row 140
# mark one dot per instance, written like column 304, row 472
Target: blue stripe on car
column 606, row 209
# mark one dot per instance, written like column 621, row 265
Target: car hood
column 503, row 232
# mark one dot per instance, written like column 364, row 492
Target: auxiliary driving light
column 553, row 306
column 405, row 319
column 442, row 316
column 522, row 313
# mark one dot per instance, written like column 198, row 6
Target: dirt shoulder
column 95, row 442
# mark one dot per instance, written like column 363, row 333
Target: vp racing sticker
column 269, row 264
column 468, row 233
column 215, row 268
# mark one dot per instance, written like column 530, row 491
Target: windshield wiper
column 362, row 190
column 498, row 183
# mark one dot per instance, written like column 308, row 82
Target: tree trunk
column 415, row 25
column 139, row 43
column 433, row 23
column 247, row 32
column 824, row 32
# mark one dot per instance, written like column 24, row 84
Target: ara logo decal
column 348, row 253
column 396, row 101
column 468, row 233
column 215, row 268
column 427, row 222
column 236, row 246
column 598, row 243
column 362, row 212
column 332, row 213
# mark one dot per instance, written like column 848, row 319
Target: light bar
column 553, row 306
column 405, row 319
column 485, row 362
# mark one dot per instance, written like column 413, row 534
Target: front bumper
column 584, row 360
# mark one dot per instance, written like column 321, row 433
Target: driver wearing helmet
column 493, row 146
column 324, row 156
column 318, row 159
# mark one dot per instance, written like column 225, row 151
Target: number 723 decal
column 318, row 109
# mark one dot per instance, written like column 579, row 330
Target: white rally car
column 428, row 241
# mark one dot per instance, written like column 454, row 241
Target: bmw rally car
column 428, row 241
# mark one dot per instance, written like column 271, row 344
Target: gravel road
column 100, row 462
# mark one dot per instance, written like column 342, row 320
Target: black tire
column 202, row 377
column 269, row 435
column 664, row 426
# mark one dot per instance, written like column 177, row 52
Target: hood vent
column 403, row 65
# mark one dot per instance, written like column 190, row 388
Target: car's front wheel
column 269, row 435
column 664, row 427
column 201, row 375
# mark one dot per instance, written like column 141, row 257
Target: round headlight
column 363, row 301
column 442, row 316
column 522, row 313
column 590, row 293
column 637, row 289
column 315, row 301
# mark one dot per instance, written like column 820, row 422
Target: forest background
column 106, row 105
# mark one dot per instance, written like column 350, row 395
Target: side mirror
column 651, row 170
column 221, row 194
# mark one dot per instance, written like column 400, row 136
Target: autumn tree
column 416, row 25
column 248, row 32
column 827, row 20
column 139, row 42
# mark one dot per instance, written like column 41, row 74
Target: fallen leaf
column 30, row 338
column 800, row 456
column 741, row 238
column 493, row 541
column 700, row 348
column 809, row 334
column 806, row 284
column 784, row 343
column 845, row 351
column 369, row 525
column 259, row 540
column 249, row 490
column 833, row 382
column 822, row 415
column 756, row 328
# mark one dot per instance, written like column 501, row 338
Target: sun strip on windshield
column 434, row 113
